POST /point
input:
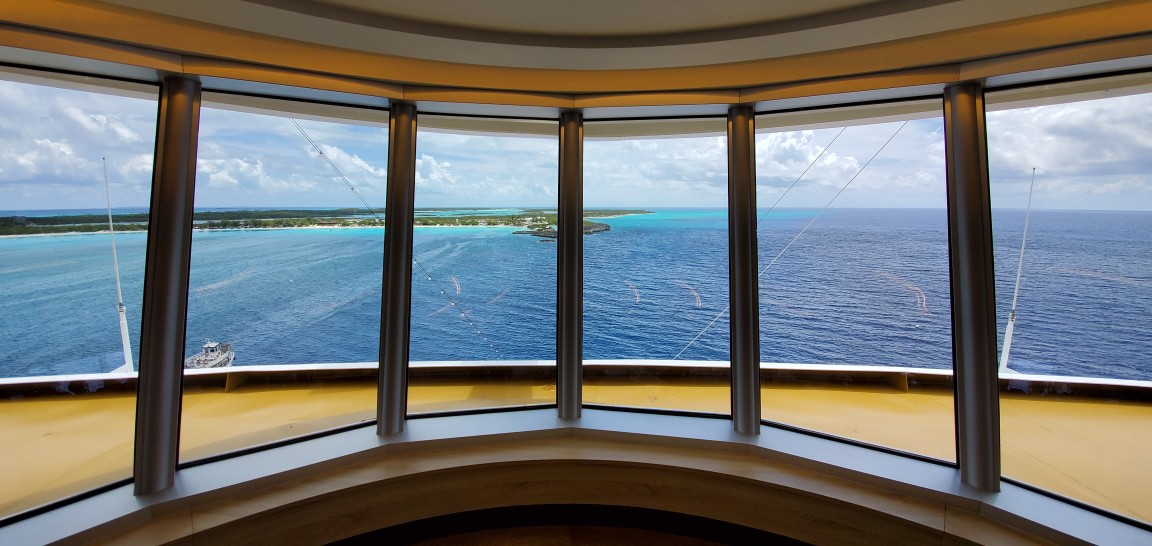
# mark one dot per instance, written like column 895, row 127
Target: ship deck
column 1079, row 438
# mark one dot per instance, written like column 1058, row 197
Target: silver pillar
column 973, row 288
column 570, row 267
column 166, row 287
column 743, row 289
column 396, row 304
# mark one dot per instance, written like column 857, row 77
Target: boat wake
column 921, row 298
column 691, row 291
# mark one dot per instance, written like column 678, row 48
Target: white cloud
column 102, row 126
column 1088, row 154
column 434, row 176
column 52, row 142
column 222, row 179
column 352, row 165
column 137, row 167
column 249, row 175
column 656, row 172
column 55, row 158
column 878, row 165
column 476, row 170
column 250, row 159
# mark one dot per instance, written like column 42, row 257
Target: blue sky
column 1088, row 155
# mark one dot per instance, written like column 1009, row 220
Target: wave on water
column 1133, row 281
column 226, row 282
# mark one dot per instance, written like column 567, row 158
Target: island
column 534, row 222
column 549, row 232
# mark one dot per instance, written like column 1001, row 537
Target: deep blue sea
column 858, row 286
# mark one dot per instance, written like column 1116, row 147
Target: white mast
column 127, row 367
column 1016, row 293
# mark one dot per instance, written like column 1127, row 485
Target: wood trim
column 1108, row 31
column 282, row 76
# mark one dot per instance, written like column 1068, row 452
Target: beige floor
column 1097, row 452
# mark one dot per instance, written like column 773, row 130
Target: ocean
column 857, row 286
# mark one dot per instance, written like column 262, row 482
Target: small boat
column 213, row 354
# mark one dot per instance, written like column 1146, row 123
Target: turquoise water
column 438, row 213
column 860, row 286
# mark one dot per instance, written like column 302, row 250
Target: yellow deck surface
column 1096, row 452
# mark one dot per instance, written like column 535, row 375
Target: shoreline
column 527, row 222
column 206, row 230
column 71, row 233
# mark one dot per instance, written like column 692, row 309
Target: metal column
column 973, row 288
column 570, row 267
column 743, row 290
column 396, row 304
column 165, row 304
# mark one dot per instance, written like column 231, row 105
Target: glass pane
column 855, row 321
column 67, row 379
column 285, row 284
column 656, row 278
column 484, row 271
column 1076, row 376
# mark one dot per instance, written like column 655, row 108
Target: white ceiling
column 596, row 34
column 593, row 17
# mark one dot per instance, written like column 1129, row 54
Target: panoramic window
column 75, row 184
column 483, row 265
column 1072, row 223
column 285, row 283
column 855, row 318
column 656, row 266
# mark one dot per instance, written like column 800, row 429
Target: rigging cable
column 451, row 301
column 334, row 169
column 712, row 273
column 794, row 182
column 124, row 341
column 708, row 277
column 786, row 247
column 1019, row 270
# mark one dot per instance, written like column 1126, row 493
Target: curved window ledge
column 893, row 413
column 681, row 464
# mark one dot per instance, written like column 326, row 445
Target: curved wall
column 745, row 485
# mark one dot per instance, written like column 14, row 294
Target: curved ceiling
column 590, row 17
column 597, row 23
column 587, row 53
column 595, row 34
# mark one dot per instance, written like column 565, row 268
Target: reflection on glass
column 1077, row 380
column 854, row 298
column 656, row 281
column 285, row 283
column 69, row 160
column 484, row 271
